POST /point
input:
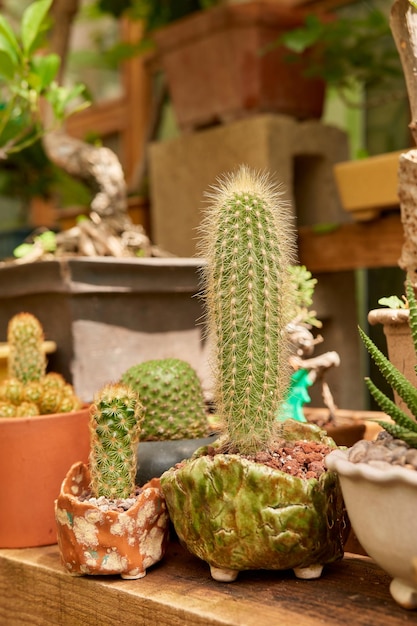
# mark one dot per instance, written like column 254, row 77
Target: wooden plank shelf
column 350, row 246
column 36, row 591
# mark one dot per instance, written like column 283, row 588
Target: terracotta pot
column 35, row 453
column 94, row 541
column 237, row 514
column 399, row 344
column 382, row 507
column 216, row 71
column 345, row 429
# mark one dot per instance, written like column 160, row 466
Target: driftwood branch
column 403, row 23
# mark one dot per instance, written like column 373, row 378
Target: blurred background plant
column 353, row 51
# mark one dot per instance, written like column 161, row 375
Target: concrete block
column 298, row 154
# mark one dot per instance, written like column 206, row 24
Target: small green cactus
column 172, row 397
column 116, row 416
column 29, row 390
column 404, row 427
column 27, row 359
column 247, row 239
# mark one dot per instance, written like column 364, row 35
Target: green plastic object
column 292, row 407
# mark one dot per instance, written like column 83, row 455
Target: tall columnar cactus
column 172, row 398
column 116, row 417
column 27, row 359
column 248, row 243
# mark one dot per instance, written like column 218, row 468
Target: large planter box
column 217, row 70
column 107, row 314
column 368, row 186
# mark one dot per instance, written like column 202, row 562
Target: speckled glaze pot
column 93, row 541
column 237, row 514
column 382, row 507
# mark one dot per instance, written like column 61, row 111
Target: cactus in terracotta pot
column 233, row 504
column 29, row 390
column 107, row 525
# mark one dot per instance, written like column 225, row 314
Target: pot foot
column 308, row 573
column 132, row 575
column 403, row 594
column 223, row 575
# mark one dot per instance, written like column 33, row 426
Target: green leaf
column 46, row 68
column 299, row 39
column 32, row 21
column 47, row 240
column 22, row 250
column 7, row 66
column 392, row 302
column 8, row 40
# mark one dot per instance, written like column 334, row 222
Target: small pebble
column 383, row 452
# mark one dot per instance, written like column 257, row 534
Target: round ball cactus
column 172, row 397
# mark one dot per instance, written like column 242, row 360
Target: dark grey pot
column 155, row 457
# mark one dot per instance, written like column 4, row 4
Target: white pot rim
column 337, row 461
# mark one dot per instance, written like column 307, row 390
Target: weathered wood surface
column 35, row 590
column 377, row 243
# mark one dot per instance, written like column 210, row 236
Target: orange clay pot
column 35, row 453
column 94, row 541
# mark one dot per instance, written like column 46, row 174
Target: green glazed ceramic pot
column 237, row 514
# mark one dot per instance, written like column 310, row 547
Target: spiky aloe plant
column 115, row 428
column 404, row 427
column 247, row 240
column 27, row 359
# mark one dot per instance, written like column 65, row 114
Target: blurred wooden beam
column 376, row 243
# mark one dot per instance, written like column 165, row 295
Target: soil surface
column 107, row 504
column 304, row 459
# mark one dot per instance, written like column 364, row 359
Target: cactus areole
column 248, row 243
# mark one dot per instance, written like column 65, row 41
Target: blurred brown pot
column 399, row 343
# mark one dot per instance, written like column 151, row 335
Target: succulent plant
column 404, row 427
column 29, row 390
column 172, row 398
column 303, row 285
column 116, row 417
column 247, row 241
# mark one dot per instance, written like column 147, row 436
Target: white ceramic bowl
column 382, row 507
